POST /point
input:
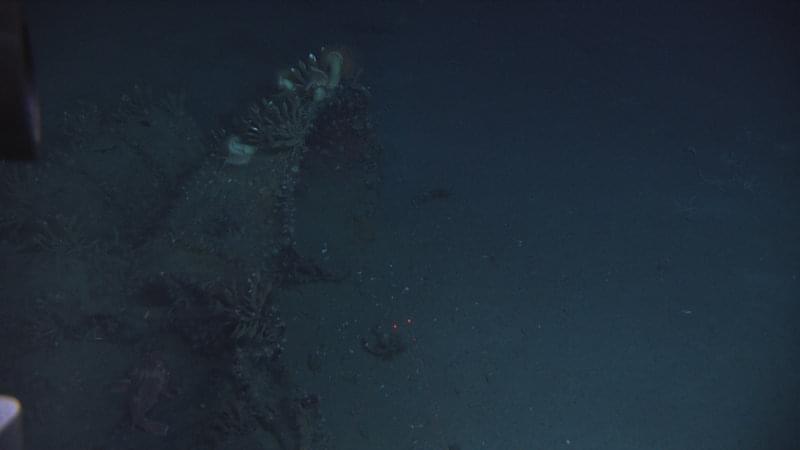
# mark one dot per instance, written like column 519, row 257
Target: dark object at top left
column 20, row 127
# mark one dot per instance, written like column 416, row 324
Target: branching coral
column 283, row 123
column 252, row 318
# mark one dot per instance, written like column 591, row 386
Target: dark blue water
column 584, row 234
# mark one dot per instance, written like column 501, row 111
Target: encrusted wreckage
column 182, row 250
